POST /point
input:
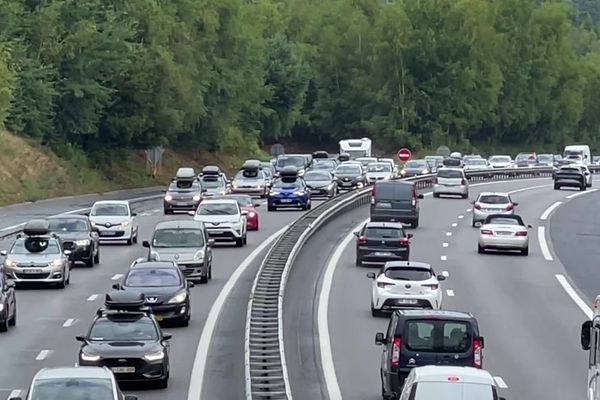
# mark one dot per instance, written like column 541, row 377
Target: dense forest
column 102, row 75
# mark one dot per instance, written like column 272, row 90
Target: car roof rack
column 343, row 157
column 251, row 165
column 185, row 173
column 37, row 227
column 121, row 300
column 288, row 174
column 211, row 170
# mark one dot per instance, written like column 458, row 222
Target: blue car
column 289, row 190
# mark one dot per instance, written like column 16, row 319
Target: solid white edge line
column 42, row 355
column 92, row 297
column 500, row 382
column 543, row 244
column 528, row 188
column 549, row 210
column 450, row 292
column 116, row 277
column 331, row 382
column 580, row 193
column 68, row 323
column 14, row 393
column 574, row 296
column 202, row 351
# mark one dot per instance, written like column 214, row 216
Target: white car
column 405, row 284
column 115, row 221
column 224, row 220
column 586, row 173
column 451, row 181
column 500, row 161
column 379, row 170
column 477, row 164
column 366, row 160
column 489, row 203
column 449, row 383
column 504, row 232
column 392, row 165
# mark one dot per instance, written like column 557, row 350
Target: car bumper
column 250, row 191
column 192, row 270
column 321, row 192
column 44, row 275
column 568, row 182
column 450, row 189
column 287, row 201
column 224, row 233
column 350, row 185
column 144, row 371
column 508, row 243
column 114, row 234
column 380, row 256
column 385, row 301
column 480, row 215
column 79, row 253
column 181, row 205
column 169, row 312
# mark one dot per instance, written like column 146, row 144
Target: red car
column 246, row 204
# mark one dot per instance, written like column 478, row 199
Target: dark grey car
column 321, row 183
column 79, row 236
column 350, row 176
column 395, row 201
column 184, row 195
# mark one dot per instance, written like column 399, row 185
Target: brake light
column 362, row 240
column 486, row 232
column 453, row 378
column 477, row 356
column 396, row 352
column 510, row 207
column 373, row 194
column 383, row 285
column 521, row 233
column 477, row 206
column 432, row 286
column 404, row 242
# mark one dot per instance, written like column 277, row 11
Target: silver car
column 187, row 244
column 38, row 259
column 451, row 181
column 488, row 203
column 379, row 171
column 477, row 164
column 74, row 383
column 251, row 182
column 504, row 232
column 115, row 221
column 224, row 220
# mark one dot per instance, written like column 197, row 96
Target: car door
column 386, row 354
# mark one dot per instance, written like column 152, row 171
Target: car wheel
column 582, row 188
column 465, row 196
column 436, row 195
column 62, row 284
column 97, row 257
column 129, row 242
column 556, row 187
column 309, row 205
column 415, row 224
column 4, row 325
column 239, row 242
column 245, row 239
column 13, row 320
column 375, row 313
column 68, row 280
column 168, row 211
column 271, row 208
column 358, row 262
column 525, row 252
column 474, row 223
column 163, row 383
column 135, row 238
column 210, row 272
column 89, row 263
column 480, row 249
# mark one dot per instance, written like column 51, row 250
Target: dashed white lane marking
column 543, row 244
column 444, row 258
column 528, row 188
column 500, row 382
column 574, row 296
column 446, row 274
column 549, row 210
column 15, row 393
column 450, row 292
column 469, row 209
column 461, row 216
column 42, row 355
column 580, row 193
column 68, row 323
column 117, row 276
column 92, row 297
column 448, row 233
column 445, row 244
column 454, row 225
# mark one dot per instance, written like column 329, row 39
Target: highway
column 49, row 319
column 530, row 323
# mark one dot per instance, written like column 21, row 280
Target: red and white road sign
column 404, row 155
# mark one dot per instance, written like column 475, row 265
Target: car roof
column 179, row 224
column 154, row 264
column 73, row 372
column 406, row 264
column 70, row 216
column 424, row 313
column 220, row 200
column 438, row 373
column 125, row 202
column 372, row 224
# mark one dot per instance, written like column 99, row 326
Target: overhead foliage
column 104, row 75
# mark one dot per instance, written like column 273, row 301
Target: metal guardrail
column 265, row 363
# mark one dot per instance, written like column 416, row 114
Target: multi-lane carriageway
column 529, row 308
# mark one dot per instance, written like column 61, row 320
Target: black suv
column 79, row 236
column 126, row 338
column 379, row 242
column 417, row 338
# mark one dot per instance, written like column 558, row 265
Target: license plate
column 384, row 205
column 406, row 301
column 108, row 233
column 159, row 318
column 383, row 254
column 182, row 203
column 504, row 233
column 32, row 271
column 123, row 370
column 286, row 200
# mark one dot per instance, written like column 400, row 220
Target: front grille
column 116, row 234
column 68, row 245
column 43, row 275
column 128, row 362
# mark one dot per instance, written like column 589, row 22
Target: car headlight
column 425, row 171
column 83, row 242
column 223, row 192
column 89, row 357
column 180, row 298
column 235, row 185
column 403, row 172
column 125, row 224
column 199, row 255
column 10, row 263
column 168, row 197
column 159, row 355
column 386, row 178
column 56, row 263
column 154, row 256
column 273, row 193
column 1, row 307
column 93, row 223
column 299, row 193
column 251, row 214
column 197, row 197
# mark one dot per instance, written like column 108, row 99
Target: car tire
column 474, row 223
column 97, row 257
column 271, row 208
column 583, row 188
column 436, row 195
column 525, row 252
column 204, row 279
column 465, row 196
column 415, row 224
column 167, row 212
column 135, row 238
column 358, row 262
column 556, row 187
column 90, row 262
column 129, row 242
column 309, row 205
column 375, row 313
column 245, row 239
column 62, row 284
column 163, row 383
column 239, row 242
column 210, row 272
column 13, row 320
column 480, row 250
column 4, row 325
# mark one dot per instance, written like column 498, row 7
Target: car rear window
column 438, row 336
column 449, row 174
column 393, row 190
column 452, row 390
column 502, row 221
column 392, row 233
column 493, row 199
column 408, row 274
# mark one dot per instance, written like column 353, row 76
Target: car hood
column 108, row 220
column 130, row 349
column 500, row 164
column 72, row 236
column 217, row 218
column 33, row 258
column 318, row 183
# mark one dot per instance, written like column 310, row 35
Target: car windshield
column 242, row 200
column 439, row 336
column 387, row 233
column 212, row 183
column 545, row 158
column 181, row 237
column 499, row 159
column 110, row 210
column 408, row 274
column 379, row 167
column 475, row 161
column 317, row 176
column 328, row 165
column 503, row 221
column 155, row 277
column 67, row 225
column 416, row 164
column 105, row 330
column 493, row 199
column 449, row 174
column 280, row 184
column 348, row 169
column 451, row 390
column 525, row 157
column 217, row 209
column 570, row 170
column 295, row 161
column 36, row 246
column 184, row 185
column 72, row 389
column 249, row 174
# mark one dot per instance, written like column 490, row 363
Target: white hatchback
column 115, row 221
column 224, row 220
column 405, row 284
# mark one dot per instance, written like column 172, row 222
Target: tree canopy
column 229, row 74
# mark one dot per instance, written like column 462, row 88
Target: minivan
column 395, row 201
column 417, row 338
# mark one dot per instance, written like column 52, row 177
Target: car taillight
column 486, row 232
column 395, row 363
column 432, row 286
column 373, row 194
column 521, row 233
column 510, row 207
column 383, row 285
column 404, row 242
column 477, row 206
column 362, row 240
column 477, row 356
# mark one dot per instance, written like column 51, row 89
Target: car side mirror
column 515, row 204
column 116, row 286
column 586, row 333
column 145, row 243
column 130, row 397
column 380, row 339
column 3, row 253
column 211, row 242
column 80, row 338
column 67, row 252
column 192, row 213
column 167, row 336
column 529, row 226
column 409, row 235
column 420, row 196
column 356, row 233
column 190, row 284
column 95, row 229
column 441, row 278
column 133, row 214
column 10, row 283
column 371, row 275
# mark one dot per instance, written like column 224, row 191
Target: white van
column 435, row 382
column 578, row 153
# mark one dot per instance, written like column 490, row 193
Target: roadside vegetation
column 96, row 81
